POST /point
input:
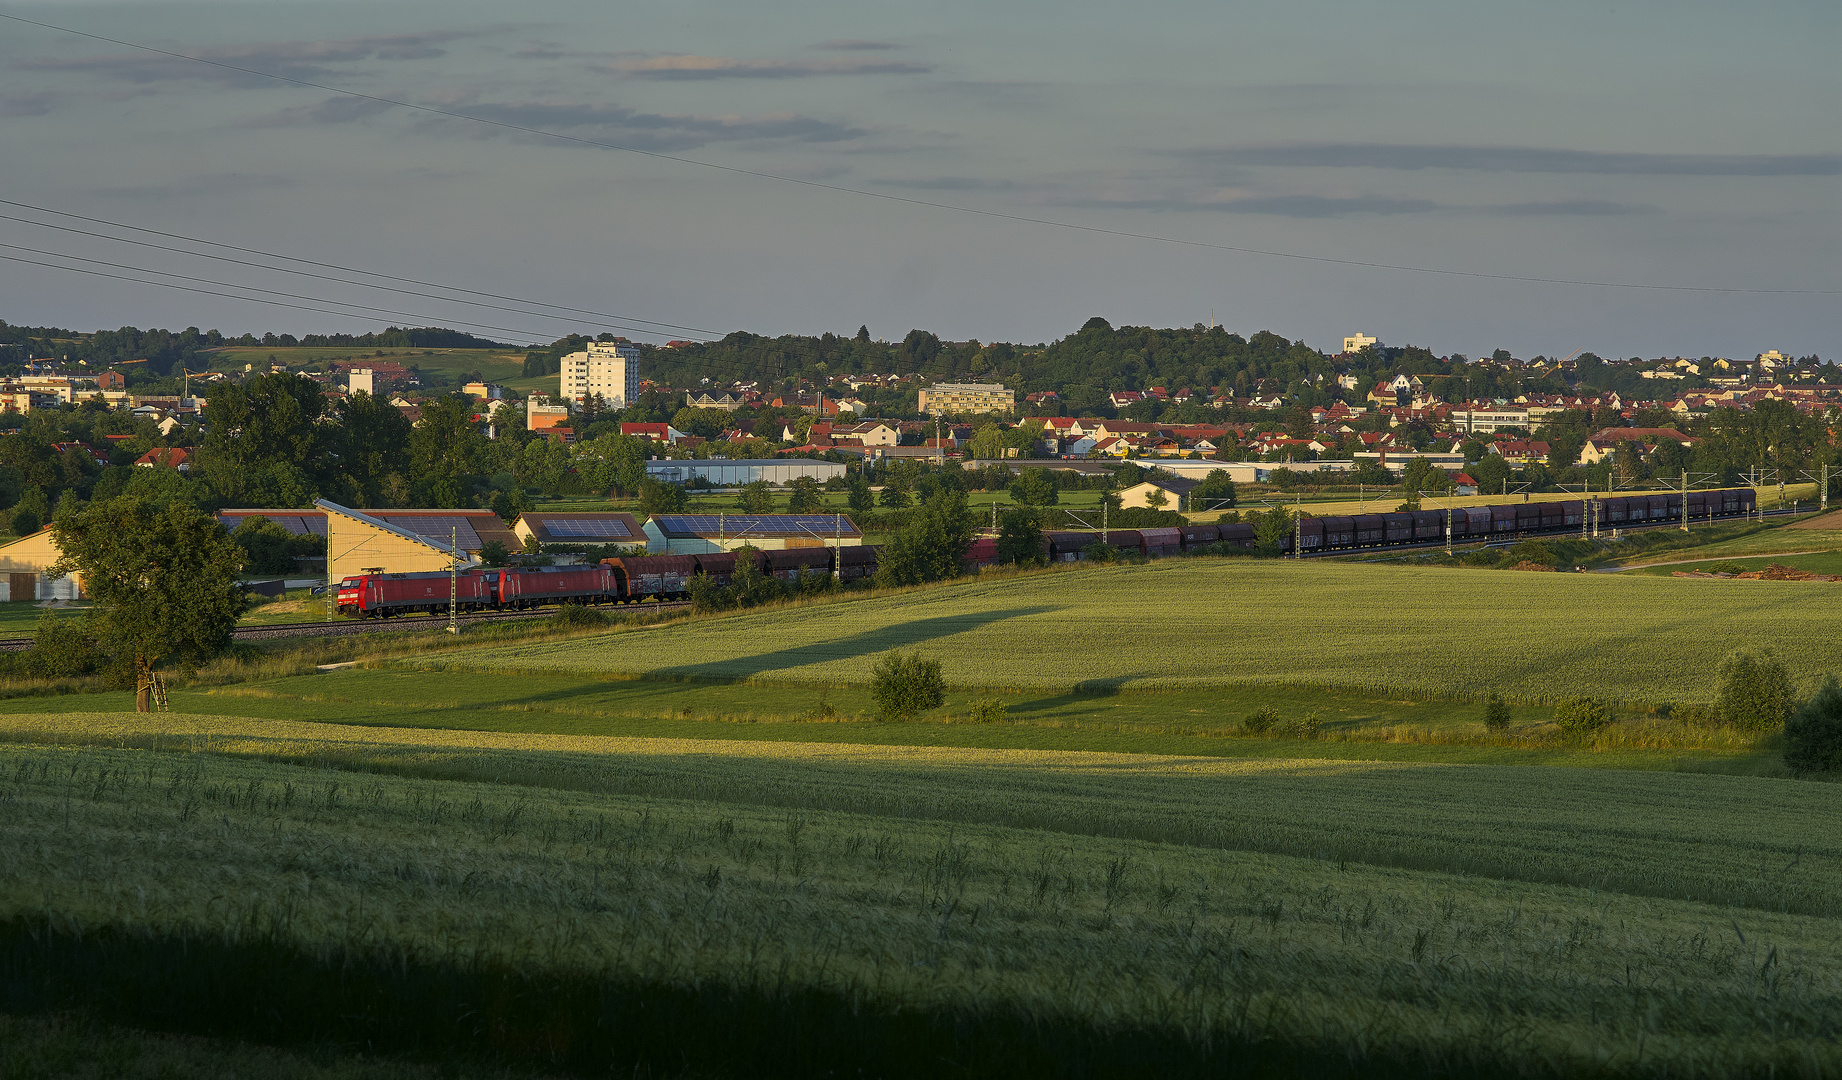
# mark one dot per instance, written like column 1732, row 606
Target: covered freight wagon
column 1068, row 546
column 1339, row 532
column 1240, row 535
column 1162, row 541
column 856, row 563
column 666, row 577
column 1200, row 535
column 1310, row 534
column 787, row 564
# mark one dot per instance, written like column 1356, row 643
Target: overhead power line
column 310, row 274
column 323, row 265
column 903, row 199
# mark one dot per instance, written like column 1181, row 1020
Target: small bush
column 1727, row 568
column 988, row 711
column 1496, row 715
column 60, row 650
column 1752, row 690
column 1581, row 715
column 577, row 616
column 904, row 686
column 1813, row 734
column 1260, row 721
column 1302, row 727
column 1099, row 552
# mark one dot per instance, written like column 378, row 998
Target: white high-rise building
column 611, row 369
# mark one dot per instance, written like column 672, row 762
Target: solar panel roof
column 742, row 524
column 298, row 524
column 440, row 529
column 590, row 527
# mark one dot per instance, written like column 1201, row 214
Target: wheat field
column 921, row 910
column 1429, row 632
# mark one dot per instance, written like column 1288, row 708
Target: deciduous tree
column 163, row 579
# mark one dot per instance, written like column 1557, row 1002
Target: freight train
column 1502, row 521
column 634, row 579
column 629, row 579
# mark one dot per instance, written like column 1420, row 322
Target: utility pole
column 837, row 548
column 454, row 581
column 1448, row 530
column 1685, row 514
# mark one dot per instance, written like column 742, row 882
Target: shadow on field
column 262, row 988
column 905, row 635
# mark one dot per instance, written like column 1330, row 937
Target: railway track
column 409, row 623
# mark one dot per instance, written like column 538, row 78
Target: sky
column 1159, row 164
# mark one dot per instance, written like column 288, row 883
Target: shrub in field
column 1260, row 721
column 1098, row 552
column 576, row 616
column 1752, row 690
column 904, row 685
column 1581, row 715
column 1813, row 734
column 61, row 649
column 1727, row 568
column 988, row 711
column 1496, row 715
column 1302, row 727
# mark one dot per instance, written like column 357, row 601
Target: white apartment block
column 967, row 398
column 1357, row 342
column 606, row 368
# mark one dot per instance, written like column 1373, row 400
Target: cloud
column 721, row 67
column 856, row 45
column 1572, row 207
column 26, row 103
column 1523, row 160
column 215, row 185
column 657, row 131
column 292, row 59
column 1296, row 206
column 948, row 183
column 336, row 110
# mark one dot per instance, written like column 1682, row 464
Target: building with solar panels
column 692, row 534
column 740, row 471
column 397, row 541
column 567, row 528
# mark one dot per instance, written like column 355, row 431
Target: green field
column 502, row 366
column 564, row 903
column 1416, row 632
column 1356, row 727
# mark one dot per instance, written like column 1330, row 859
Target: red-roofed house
column 166, row 457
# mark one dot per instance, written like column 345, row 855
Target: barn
column 22, row 571
column 578, row 528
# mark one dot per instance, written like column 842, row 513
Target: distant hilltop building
column 1358, row 342
column 611, row 369
column 968, row 398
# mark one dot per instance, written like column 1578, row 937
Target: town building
column 724, row 472
column 1168, row 494
column 608, row 368
column 967, row 398
column 1357, row 342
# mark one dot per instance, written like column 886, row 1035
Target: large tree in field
column 163, row 578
